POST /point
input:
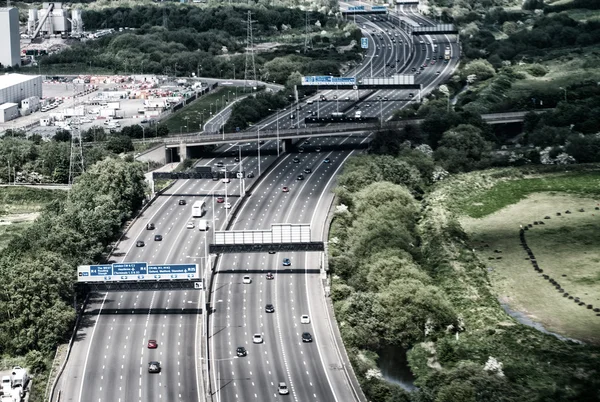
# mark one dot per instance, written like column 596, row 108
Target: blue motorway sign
column 364, row 43
column 136, row 271
column 356, row 8
column 328, row 80
column 378, row 8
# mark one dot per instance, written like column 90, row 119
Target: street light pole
column 258, row 146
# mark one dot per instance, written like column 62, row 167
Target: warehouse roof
column 8, row 80
column 7, row 105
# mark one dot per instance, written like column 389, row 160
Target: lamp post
column 143, row 133
column 380, row 111
column 258, row 146
column 210, row 109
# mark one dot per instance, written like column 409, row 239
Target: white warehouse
column 16, row 87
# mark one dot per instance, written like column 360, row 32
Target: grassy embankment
column 191, row 118
column 19, row 206
column 565, row 247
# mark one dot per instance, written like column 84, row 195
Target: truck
column 198, row 209
column 19, row 377
column 357, row 114
column 447, row 54
column 203, row 225
column 6, row 385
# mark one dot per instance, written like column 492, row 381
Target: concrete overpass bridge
column 288, row 137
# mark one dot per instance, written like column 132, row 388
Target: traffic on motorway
column 270, row 331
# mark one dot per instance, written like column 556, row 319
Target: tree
column 62, row 136
column 481, row 68
column 462, row 148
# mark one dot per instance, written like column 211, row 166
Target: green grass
column 580, row 14
column 19, row 206
column 510, row 192
column 196, row 114
column 566, row 249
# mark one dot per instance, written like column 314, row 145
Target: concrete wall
column 156, row 154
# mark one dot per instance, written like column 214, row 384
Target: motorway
column 109, row 358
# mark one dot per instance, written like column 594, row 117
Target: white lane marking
column 90, row 346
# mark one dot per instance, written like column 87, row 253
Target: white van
column 203, row 225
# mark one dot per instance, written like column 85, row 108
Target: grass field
column 19, row 206
column 508, row 192
column 191, row 117
column 566, row 247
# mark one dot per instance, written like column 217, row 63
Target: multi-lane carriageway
column 109, row 357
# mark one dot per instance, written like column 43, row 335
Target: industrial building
column 16, row 87
column 52, row 19
column 10, row 48
column 8, row 111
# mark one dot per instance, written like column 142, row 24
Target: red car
column 220, row 200
column 152, row 344
column 285, row 190
column 270, row 275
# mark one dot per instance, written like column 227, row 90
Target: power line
column 249, row 64
column 307, row 36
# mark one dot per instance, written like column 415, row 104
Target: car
column 300, row 177
column 190, row 225
column 272, row 252
column 326, row 160
column 270, row 276
column 432, row 63
column 220, row 200
column 413, row 69
column 285, row 189
column 427, row 58
column 306, row 337
column 150, row 226
column 226, row 180
column 152, row 344
column 417, row 73
column 157, row 237
column 318, row 149
column 307, row 170
column 411, row 95
column 250, row 175
column 300, row 149
column 421, row 68
column 154, row 367
column 237, row 159
column 304, row 319
column 307, row 142
column 220, row 164
column 445, row 61
column 227, row 205
column 438, row 73
column 257, row 338
column 241, row 351
column 283, row 389
column 182, row 202
column 247, row 280
column 139, row 243
column 269, row 308
column 287, row 262
column 296, row 160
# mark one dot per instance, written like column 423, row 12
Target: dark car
column 296, row 160
column 307, row 170
column 237, row 159
column 306, row 337
column 287, row 262
column 250, row 175
column 326, row 160
column 241, row 351
column 140, row 243
column 219, row 164
column 182, row 202
column 272, row 252
column 270, row 276
column 157, row 237
column 300, row 177
column 150, row 226
column 269, row 308
column 154, row 367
